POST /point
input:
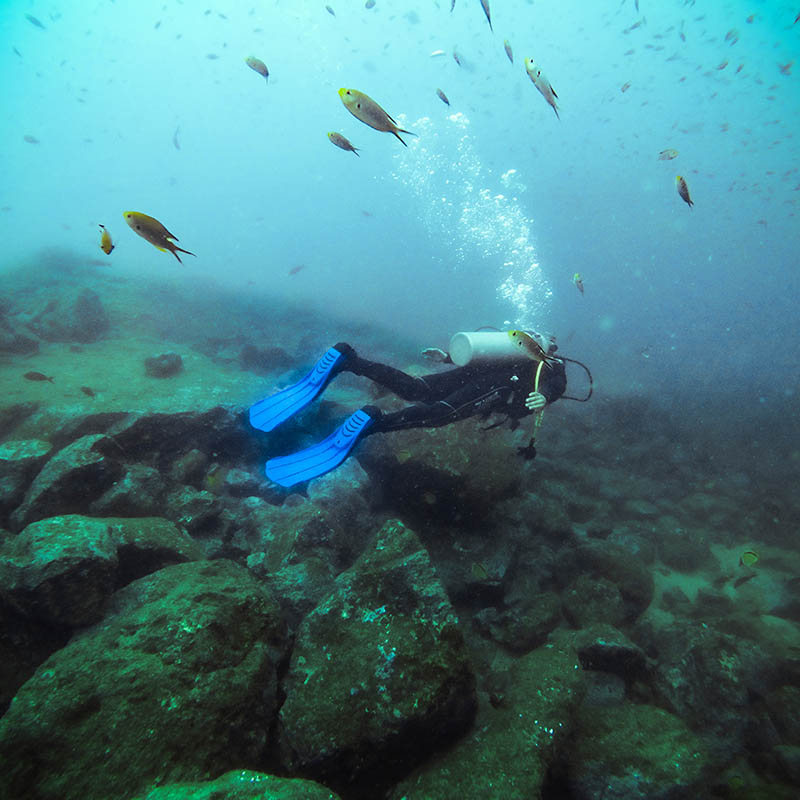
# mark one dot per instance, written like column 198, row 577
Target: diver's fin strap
column 319, row 458
column 268, row 413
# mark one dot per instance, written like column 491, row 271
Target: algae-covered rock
column 603, row 647
column 137, row 493
column 19, row 461
column 609, row 562
column 589, row 600
column 638, row 752
column 62, row 570
column 379, row 676
column 178, row 682
column 708, row 677
column 242, row 784
column 521, row 628
column 510, row 749
column 13, row 415
column 69, row 481
column 164, row 365
column 450, row 475
column 163, row 438
column 77, row 318
column 24, row 644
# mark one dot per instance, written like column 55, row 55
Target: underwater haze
column 487, row 214
column 203, row 573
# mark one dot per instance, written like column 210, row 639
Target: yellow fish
column 668, row 154
column 683, row 190
column 530, row 346
column 542, row 84
column 342, row 141
column 258, row 65
column 748, row 558
column 154, row 232
column 106, row 245
column 364, row 108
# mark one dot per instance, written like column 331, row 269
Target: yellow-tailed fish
column 106, row 245
column 485, row 7
column 683, row 190
column 154, row 232
column 342, row 141
column 442, row 96
column 668, row 154
column 748, row 558
column 541, row 83
column 259, row 66
column 578, row 281
column 509, row 51
column 365, row 109
column 529, row 346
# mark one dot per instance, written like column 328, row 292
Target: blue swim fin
column 319, row 458
column 268, row 413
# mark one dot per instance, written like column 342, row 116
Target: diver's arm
column 553, row 382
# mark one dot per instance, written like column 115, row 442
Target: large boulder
column 69, row 481
column 638, row 752
column 59, row 573
column 612, row 567
column 63, row 570
column 19, row 462
column 178, row 682
column 79, row 318
column 379, row 676
column 451, row 475
column 515, row 740
column 243, row 784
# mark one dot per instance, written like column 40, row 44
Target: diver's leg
column 400, row 383
column 426, row 388
column 466, row 401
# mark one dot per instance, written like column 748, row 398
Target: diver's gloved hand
column 535, row 401
column 436, row 354
column 528, row 452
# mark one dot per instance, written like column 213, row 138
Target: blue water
column 490, row 210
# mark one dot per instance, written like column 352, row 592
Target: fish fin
column 162, row 249
column 399, row 137
column 188, row 252
column 553, row 91
column 556, row 110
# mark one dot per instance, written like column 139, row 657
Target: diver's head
column 546, row 341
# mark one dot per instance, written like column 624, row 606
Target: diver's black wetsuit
column 458, row 393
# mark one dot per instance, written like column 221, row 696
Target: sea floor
column 619, row 617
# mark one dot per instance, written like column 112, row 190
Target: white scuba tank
column 469, row 347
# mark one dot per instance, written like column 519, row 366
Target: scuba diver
column 514, row 372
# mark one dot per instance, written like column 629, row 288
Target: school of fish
column 369, row 112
